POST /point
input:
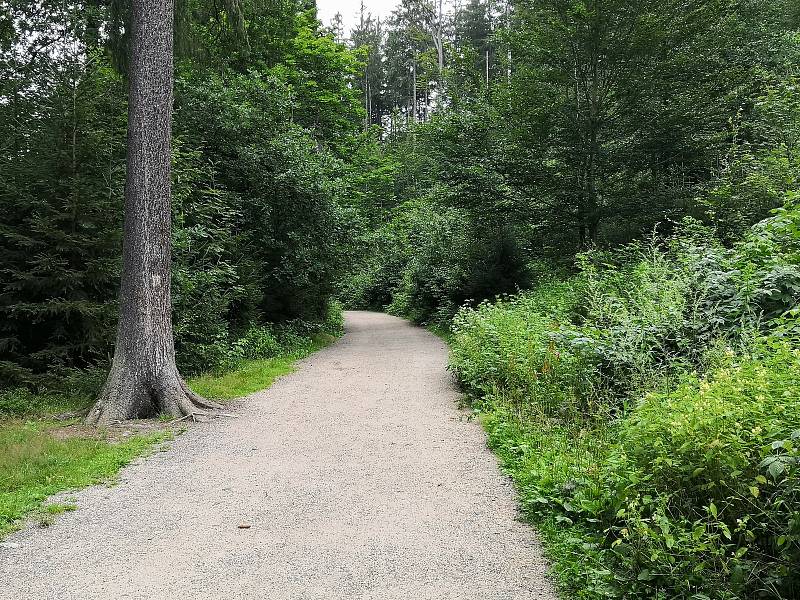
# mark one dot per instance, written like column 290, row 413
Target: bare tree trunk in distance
column 438, row 41
column 144, row 379
column 414, row 90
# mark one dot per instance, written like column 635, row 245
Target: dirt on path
column 358, row 478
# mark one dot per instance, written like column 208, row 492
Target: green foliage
column 254, row 352
column 258, row 342
column 317, row 70
column 207, row 268
column 289, row 225
column 648, row 412
column 509, row 345
column 65, row 391
column 34, row 464
column 762, row 166
column 60, row 227
column 434, row 273
column 430, row 257
column 717, row 457
column 380, row 257
column 263, row 108
column 567, row 126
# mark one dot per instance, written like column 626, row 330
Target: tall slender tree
column 144, row 378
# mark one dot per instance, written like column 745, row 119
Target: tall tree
column 62, row 135
column 622, row 108
column 337, row 28
column 367, row 38
column 144, row 378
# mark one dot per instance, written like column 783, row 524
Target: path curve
column 358, row 475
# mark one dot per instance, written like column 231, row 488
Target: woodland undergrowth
column 648, row 409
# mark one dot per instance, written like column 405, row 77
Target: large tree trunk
column 144, row 379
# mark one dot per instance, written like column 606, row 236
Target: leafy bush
column 334, row 319
column 258, row 342
column 207, row 271
column 510, row 345
column 703, row 483
column 379, row 263
column 432, row 279
column 454, row 262
column 649, row 411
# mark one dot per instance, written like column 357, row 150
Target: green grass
column 254, row 375
column 23, row 403
column 441, row 332
column 40, row 457
column 250, row 376
column 34, row 464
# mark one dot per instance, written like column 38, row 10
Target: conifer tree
column 144, row 378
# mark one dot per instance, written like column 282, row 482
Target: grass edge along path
column 41, row 456
column 526, row 455
column 252, row 376
column 564, row 544
column 37, row 461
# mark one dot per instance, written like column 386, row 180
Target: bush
column 291, row 338
column 453, row 262
column 435, row 272
column 649, row 412
column 706, row 482
column 334, row 319
column 509, row 345
column 258, row 342
column 378, row 267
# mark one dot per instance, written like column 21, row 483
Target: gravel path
column 357, row 474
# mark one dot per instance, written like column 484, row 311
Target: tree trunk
column 438, row 42
column 414, row 90
column 144, row 379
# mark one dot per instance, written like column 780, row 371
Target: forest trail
column 357, row 474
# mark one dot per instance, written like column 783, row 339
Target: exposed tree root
column 197, row 399
column 132, row 394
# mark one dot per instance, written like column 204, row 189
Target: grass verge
column 36, row 461
column 538, row 455
column 254, row 375
column 41, row 455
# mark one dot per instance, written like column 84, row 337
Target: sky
column 350, row 10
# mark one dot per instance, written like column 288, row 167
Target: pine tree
column 144, row 378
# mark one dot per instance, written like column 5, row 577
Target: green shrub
column 706, row 477
column 334, row 319
column 635, row 318
column 258, row 342
column 431, row 284
column 510, row 345
column 649, row 411
column 378, row 266
column 693, row 493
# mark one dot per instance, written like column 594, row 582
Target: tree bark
column 144, row 379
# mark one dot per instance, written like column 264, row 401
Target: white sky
column 350, row 10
